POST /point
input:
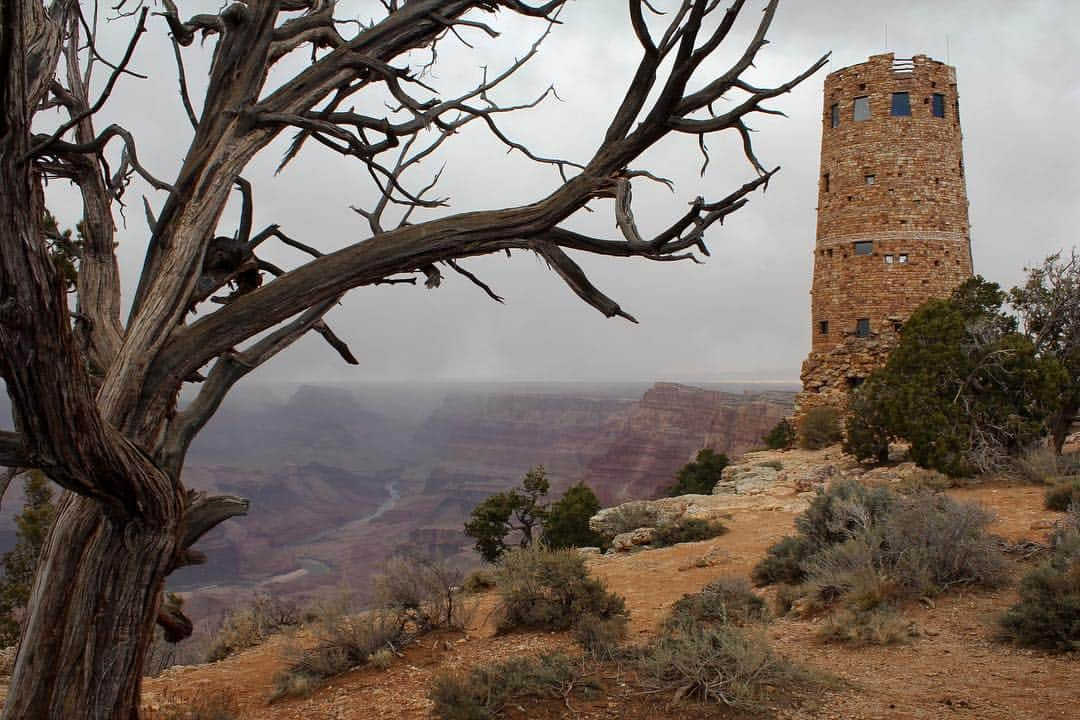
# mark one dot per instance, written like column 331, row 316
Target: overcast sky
column 744, row 314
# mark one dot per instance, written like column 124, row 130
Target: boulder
column 627, row 541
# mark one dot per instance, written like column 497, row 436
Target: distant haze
column 743, row 315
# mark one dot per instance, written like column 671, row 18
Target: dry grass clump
column 550, row 590
column 1048, row 613
column 249, row 626
column 1063, row 494
column 423, row 593
column 715, row 663
column 631, row 516
column 686, row 530
column 863, row 551
column 341, row 644
column 483, row 692
column 725, row 601
column 212, row 705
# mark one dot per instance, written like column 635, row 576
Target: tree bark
column 83, row 649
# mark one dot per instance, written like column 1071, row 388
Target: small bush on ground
column 1039, row 464
column 715, row 663
column 1063, row 494
column 483, row 692
column 631, row 516
column 781, row 436
column 550, row 589
column 420, row 592
column 212, row 705
column 341, row 644
column 699, row 476
column 1048, row 613
column 478, row 581
column 601, row 637
column 687, row 530
column 819, row 428
column 725, row 601
column 249, row 626
column 861, row 551
column 882, row 625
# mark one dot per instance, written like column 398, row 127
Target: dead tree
column 95, row 393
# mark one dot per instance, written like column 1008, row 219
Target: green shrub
column 601, row 637
column 781, row 436
column 835, row 515
column 699, row 476
column 567, row 523
column 483, row 692
column 819, row 428
column 881, row 625
column 715, row 663
column 550, row 589
column 1063, row 494
column 687, row 530
column 724, row 601
column 1048, row 613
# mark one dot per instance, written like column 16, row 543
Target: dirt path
column 954, row 669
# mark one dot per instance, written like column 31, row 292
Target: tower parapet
column 892, row 224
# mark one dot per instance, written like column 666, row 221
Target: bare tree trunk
column 1062, row 422
column 83, row 649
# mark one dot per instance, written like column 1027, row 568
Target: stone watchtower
column 892, row 224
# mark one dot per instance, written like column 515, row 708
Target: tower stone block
column 892, row 223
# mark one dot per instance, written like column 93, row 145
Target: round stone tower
column 892, row 224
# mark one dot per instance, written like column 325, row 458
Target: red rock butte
column 892, row 224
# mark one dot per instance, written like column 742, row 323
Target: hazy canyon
column 340, row 478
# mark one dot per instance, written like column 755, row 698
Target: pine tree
column 20, row 563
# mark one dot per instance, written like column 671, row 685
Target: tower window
column 855, row 381
column 888, row 259
column 862, row 327
column 864, row 247
column 938, row 105
column 825, row 182
column 870, row 179
column 823, row 327
column 862, row 108
column 901, row 104
column 902, row 259
column 834, row 115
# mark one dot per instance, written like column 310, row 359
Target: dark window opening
column 829, row 252
column 864, row 247
column 825, row 182
column 862, row 86
column 903, row 259
column 855, row 381
column 897, row 324
column 862, row 327
column 823, row 327
column 834, row 115
column 861, row 110
column 939, row 105
column 870, row 179
column 901, row 104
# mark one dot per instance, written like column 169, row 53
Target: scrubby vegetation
column 483, row 692
column 567, row 523
column 781, row 436
column 700, row 475
column 631, row 516
column 724, row 601
column 1064, row 494
column 861, row 551
column 819, row 428
column 212, row 705
column 249, row 626
column 686, row 530
column 1048, row 613
column 549, row 589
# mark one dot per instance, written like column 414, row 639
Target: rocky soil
column 954, row 668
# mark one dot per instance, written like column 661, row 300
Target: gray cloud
column 746, row 312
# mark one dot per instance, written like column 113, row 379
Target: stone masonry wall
column 896, row 183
